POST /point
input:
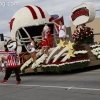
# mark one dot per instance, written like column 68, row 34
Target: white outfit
column 46, row 28
column 2, row 65
column 62, row 33
column 32, row 48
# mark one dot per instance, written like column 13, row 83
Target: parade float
column 63, row 56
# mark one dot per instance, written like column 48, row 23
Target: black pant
column 9, row 72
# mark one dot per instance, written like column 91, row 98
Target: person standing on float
column 49, row 37
column 62, row 30
column 46, row 39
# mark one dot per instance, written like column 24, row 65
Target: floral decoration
column 83, row 34
column 95, row 49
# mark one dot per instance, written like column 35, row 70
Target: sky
column 61, row 7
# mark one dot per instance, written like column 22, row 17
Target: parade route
column 58, row 87
column 73, row 86
column 50, row 50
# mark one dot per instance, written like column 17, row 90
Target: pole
column 7, row 36
column 98, row 10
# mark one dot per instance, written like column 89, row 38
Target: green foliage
column 65, row 68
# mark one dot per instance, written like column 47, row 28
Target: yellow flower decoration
column 70, row 45
column 71, row 53
column 61, row 44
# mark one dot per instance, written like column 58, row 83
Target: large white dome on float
column 28, row 16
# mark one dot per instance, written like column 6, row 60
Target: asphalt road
column 74, row 86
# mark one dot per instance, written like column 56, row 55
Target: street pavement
column 84, row 85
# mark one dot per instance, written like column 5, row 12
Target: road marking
column 59, row 87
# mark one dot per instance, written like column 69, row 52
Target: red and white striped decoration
column 27, row 16
column 11, row 61
column 4, row 52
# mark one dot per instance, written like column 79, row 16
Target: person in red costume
column 12, row 60
column 46, row 39
column 49, row 37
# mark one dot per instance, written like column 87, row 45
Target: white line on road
column 59, row 87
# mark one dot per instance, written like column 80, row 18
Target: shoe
column 18, row 82
column 4, row 81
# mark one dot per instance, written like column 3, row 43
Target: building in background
column 2, row 45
